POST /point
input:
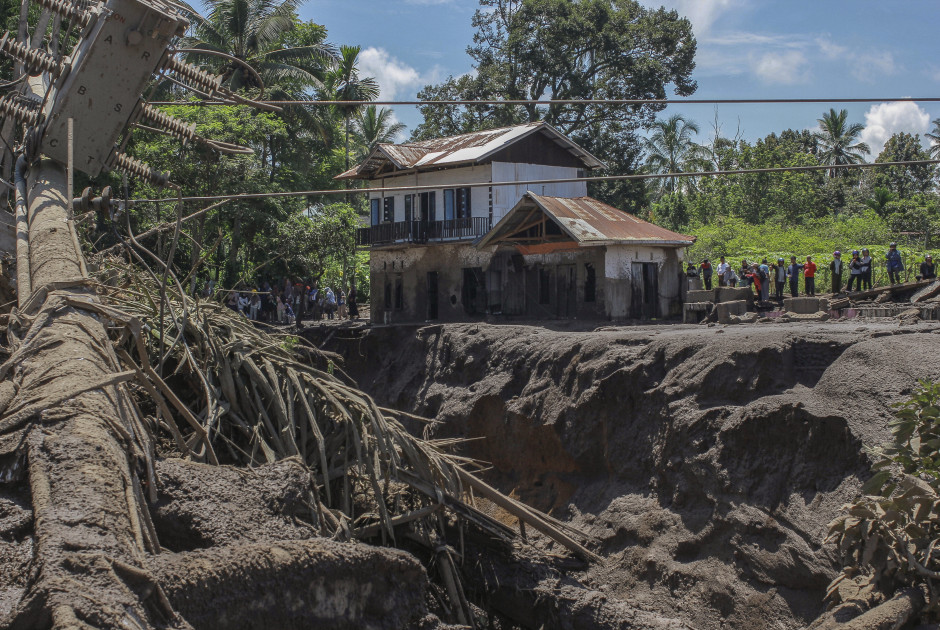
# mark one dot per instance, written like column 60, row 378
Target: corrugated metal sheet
column 462, row 149
column 403, row 155
column 588, row 221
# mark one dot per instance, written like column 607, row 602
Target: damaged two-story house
column 479, row 227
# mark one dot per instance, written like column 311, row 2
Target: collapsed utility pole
column 69, row 421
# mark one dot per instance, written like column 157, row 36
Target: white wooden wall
column 449, row 178
column 505, row 197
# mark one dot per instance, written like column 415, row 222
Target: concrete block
column 802, row 305
column 695, row 312
column 924, row 294
column 693, row 297
column 727, row 309
column 734, row 294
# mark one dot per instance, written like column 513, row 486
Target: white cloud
column 394, row 77
column 831, row 49
column 869, row 66
column 886, row 119
column 787, row 67
column 702, row 13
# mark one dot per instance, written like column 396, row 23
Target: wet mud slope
column 705, row 462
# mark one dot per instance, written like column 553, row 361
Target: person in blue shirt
column 794, row 271
column 895, row 265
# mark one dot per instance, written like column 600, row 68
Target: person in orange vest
column 809, row 276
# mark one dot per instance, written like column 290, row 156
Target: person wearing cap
column 835, row 267
column 927, row 269
column 780, row 278
column 691, row 274
column 894, row 263
column 867, row 267
column 855, row 272
column 809, row 276
column 707, row 271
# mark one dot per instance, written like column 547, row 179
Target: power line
column 568, row 180
column 598, row 101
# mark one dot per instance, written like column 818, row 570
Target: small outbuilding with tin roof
column 588, row 259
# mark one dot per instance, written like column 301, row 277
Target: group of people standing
column 294, row 301
column 780, row 275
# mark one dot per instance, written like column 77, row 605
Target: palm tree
column 375, row 126
column 670, row 149
column 343, row 83
column 934, row 137
column 881, row 197
column 253, row 32
column 838, row 141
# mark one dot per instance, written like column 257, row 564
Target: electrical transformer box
column 114, row 61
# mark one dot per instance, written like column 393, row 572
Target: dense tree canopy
column 904, row 181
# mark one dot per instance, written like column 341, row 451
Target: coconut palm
column 880, row 198
column 670, row 149
column 253, row 32
column 934, row 137
column 343, row 83
column 375, row 126
column 838, row 141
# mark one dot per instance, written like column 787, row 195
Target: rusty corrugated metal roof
column 462, row 149
column 588, row 221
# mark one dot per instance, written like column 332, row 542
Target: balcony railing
column 423, row 231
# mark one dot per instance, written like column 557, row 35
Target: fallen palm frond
column 231, row 392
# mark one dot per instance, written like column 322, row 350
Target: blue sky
column 746, row 48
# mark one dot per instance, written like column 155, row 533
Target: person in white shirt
column 723, row 268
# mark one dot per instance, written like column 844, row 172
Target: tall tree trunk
column 232, row 271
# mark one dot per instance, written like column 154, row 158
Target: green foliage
column 736, row 239
column 374, row 126
column 670, row 149
column 919, row 217
column 888, row 536
column 308, row 244
column 255, row 33
column 838, row 141
column 905, row 181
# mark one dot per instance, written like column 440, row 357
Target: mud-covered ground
column 704, row 461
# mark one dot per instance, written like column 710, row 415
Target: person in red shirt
column 754, row 275
column 809, row 276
